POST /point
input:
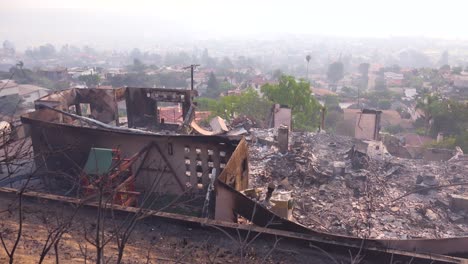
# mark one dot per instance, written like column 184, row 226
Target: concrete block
column 218, row 125
column 458, row 202
column 282, row 204
column 283, row 139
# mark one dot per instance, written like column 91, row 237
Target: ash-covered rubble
column 340, row 190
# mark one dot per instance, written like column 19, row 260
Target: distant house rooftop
column 460, row 82
column 394, row 76
column 321, row 91
column 11, row 87
column 53, row 69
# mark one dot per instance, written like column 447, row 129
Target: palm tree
column 308, row 57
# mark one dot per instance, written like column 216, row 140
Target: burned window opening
column 122, row 113
column 244, row 165
column 169, row 113
column 72, row 109
column 85, row 109
column 170, row 150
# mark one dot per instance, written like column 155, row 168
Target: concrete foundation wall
column 365, row 126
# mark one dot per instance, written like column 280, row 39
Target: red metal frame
column 123, row 190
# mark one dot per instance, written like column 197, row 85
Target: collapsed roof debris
column 218, row 127
column 367, row 197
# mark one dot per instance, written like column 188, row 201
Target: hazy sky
column 96, row 21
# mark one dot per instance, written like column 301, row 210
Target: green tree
column 348, row 92
column 248, row 104
column 225, row 86
column 462, row 141
column 364, row 71
column 384, row 104
column 308, row 57
column 47, row 51
column 91, row 80
column 26, row 76
column 450, row 117
column 135, row 54
column 416, row 82
column 297, row 95
column 444, row 58
column 213, row 87
column 331, row 101
column 9, row 47
column 206, row 60
column 137, row 66
column 441, row 115
column 333, row 117
column 427, row 105
column 445, row 68
column 10, row 104
column 277, row 74
column 226, row 63
column 130, row 79
column 335, row 72
column 380, row 83
column 380, row 99
column 457, row 70
column 181, row 58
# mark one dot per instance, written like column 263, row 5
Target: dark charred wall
column 142, row 104
column 141, row 109
column 103, row 103
column 175, row 163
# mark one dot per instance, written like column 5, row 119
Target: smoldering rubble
column 352, row 187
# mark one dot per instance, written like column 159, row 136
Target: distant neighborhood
column 342, row 85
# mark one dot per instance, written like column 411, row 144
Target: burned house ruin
column 80, row 135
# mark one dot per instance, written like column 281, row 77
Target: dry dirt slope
column 151, row 242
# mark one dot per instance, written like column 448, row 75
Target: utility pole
column 192, row 67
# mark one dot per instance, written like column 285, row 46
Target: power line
column 20, row 64
column 11, row 76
